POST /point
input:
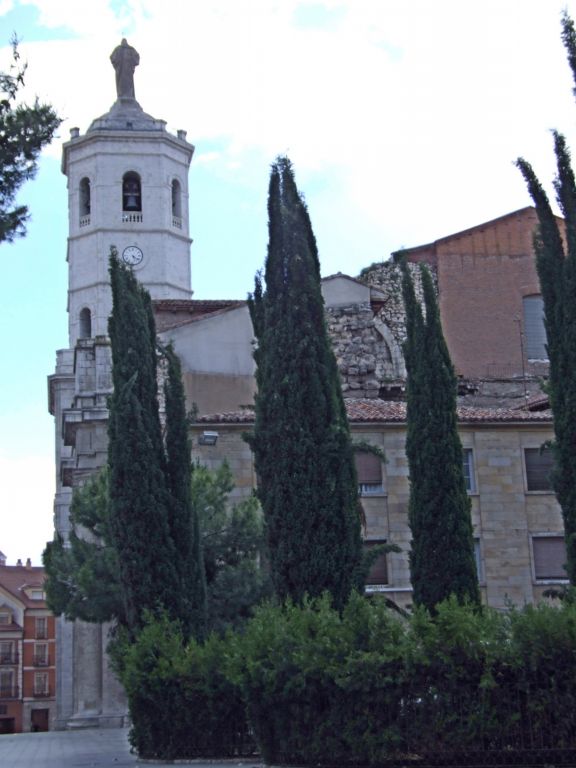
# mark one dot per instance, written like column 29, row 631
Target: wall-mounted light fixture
column 208, row 438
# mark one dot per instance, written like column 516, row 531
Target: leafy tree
column 442, row 555
column 83, row 578
column 233, row 546
column 301, row 439
column 24, row 131
column 556, row 265
column 183, row 517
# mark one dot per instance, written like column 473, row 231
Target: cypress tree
column 442, row 556
column 183, row 516
column 556, row 266
column 301, row 441
column 139, row 497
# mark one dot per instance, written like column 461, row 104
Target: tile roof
column 384, row 411
column 538, row 402
column 14, row 578
column 172, row 313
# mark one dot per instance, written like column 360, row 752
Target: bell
column 131, row 202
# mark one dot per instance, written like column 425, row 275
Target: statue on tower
column 125, row 59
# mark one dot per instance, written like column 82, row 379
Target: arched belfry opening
column 85, row 201
column 176, row 204
column 85, row 324
column 131, row 192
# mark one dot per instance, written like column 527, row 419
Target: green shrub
column 366, row 686
column 363, row 686
column 301, row 670
column 181, row 701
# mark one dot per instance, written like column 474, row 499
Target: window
column 176, row 203
column 85, row 323
column 549, row 557
column 7, row 690
column 131, row 192
column 84, row 200
column 5, row 617
column 42, row 628
column 7, row 654
column 539, row 464
column 534, row 330
column 378, row 574
column 40, row 654
column 468, row 466
column 369, row 471
column 37, row 594
column 41, row 684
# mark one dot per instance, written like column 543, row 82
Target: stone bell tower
column 128, row 188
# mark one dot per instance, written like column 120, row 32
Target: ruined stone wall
column 367, row 338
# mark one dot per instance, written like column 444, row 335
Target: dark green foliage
column 366, row 688
column 82, row 578
column 301, row 441
column 183, row 515
column 442, row 555
column 183, row 704
column 232, row 544
column 140, row 515
column 556, row 265
column 24, row 131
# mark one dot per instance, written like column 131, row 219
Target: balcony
column 8, row 659
column 41, row 661
column 85, row 221
column 42, row 693
column 177, row 222
column 10, row 692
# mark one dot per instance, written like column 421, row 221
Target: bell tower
column 127, row 187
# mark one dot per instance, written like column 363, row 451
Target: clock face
column 132, row 255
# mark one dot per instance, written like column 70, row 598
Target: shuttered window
column 539, row 464
column 534, row 331
column 549, row 557
column 369, row 471
column 378, row 574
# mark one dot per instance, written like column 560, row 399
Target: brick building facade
column 27, row 651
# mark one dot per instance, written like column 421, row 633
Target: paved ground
column 90, row 748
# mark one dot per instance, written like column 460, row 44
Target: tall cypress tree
column 301, row 440
column 183, row 516
column 442, row 556
column 139, row 497
column 556, row 265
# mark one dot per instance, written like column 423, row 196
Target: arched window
column 85, row 323
column 131, row 192
column 534, row 330
column 176, row 198
column 84, row 197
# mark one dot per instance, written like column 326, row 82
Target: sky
column 402, row 118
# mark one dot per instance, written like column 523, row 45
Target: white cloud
column 27, row 493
